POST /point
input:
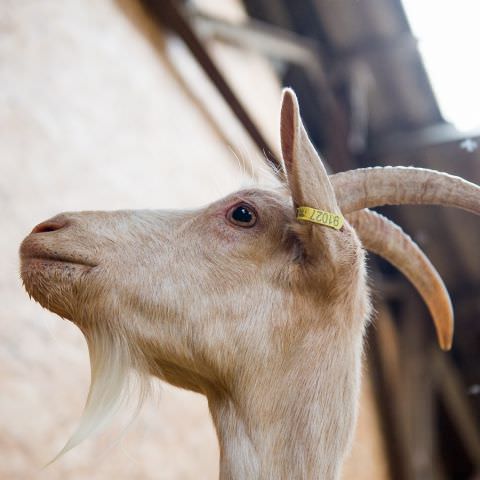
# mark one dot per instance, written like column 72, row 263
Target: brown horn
column 372, row 187
column 383, row 237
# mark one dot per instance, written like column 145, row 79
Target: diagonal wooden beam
column 169, row 14
column 269, row 40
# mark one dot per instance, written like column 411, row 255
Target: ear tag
column 321, row 217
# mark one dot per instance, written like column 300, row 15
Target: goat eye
column 242, row 215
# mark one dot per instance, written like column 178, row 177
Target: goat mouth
column 34, row 253
column 56, row 259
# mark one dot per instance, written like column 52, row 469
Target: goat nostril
column 49, row 226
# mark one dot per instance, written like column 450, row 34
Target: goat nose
column 50, row 225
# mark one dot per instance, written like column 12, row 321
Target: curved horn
column 372, row 187
column 383, row 237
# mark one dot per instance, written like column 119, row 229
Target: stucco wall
column 100, row 111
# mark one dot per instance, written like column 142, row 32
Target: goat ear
column 307, row 178
column 310, row 187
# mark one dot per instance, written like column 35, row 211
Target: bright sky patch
column 449, row 41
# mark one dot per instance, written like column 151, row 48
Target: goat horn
column 383, row 237
column 372, row 187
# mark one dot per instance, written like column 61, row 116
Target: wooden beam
column 385, row 358
column 459, row 408
column 169, row 14
column 418, row 391
column 403, row 43
column 269, row 40
column 405, row 142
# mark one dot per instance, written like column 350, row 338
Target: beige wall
column 97, row 111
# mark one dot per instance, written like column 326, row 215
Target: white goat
column 260, row 310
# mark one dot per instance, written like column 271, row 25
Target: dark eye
column 242, row 215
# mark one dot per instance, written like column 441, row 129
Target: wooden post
column 386, row 369
column 418, row 390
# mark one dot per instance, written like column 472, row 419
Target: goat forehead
column 261, row 198
column 278, row 197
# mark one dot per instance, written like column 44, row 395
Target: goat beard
column 116, row 380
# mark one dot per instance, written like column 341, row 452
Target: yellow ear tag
column 321, row 217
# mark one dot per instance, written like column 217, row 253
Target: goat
column 246, row 300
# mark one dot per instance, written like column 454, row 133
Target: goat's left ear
column 310, row 186
column 307, row 178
